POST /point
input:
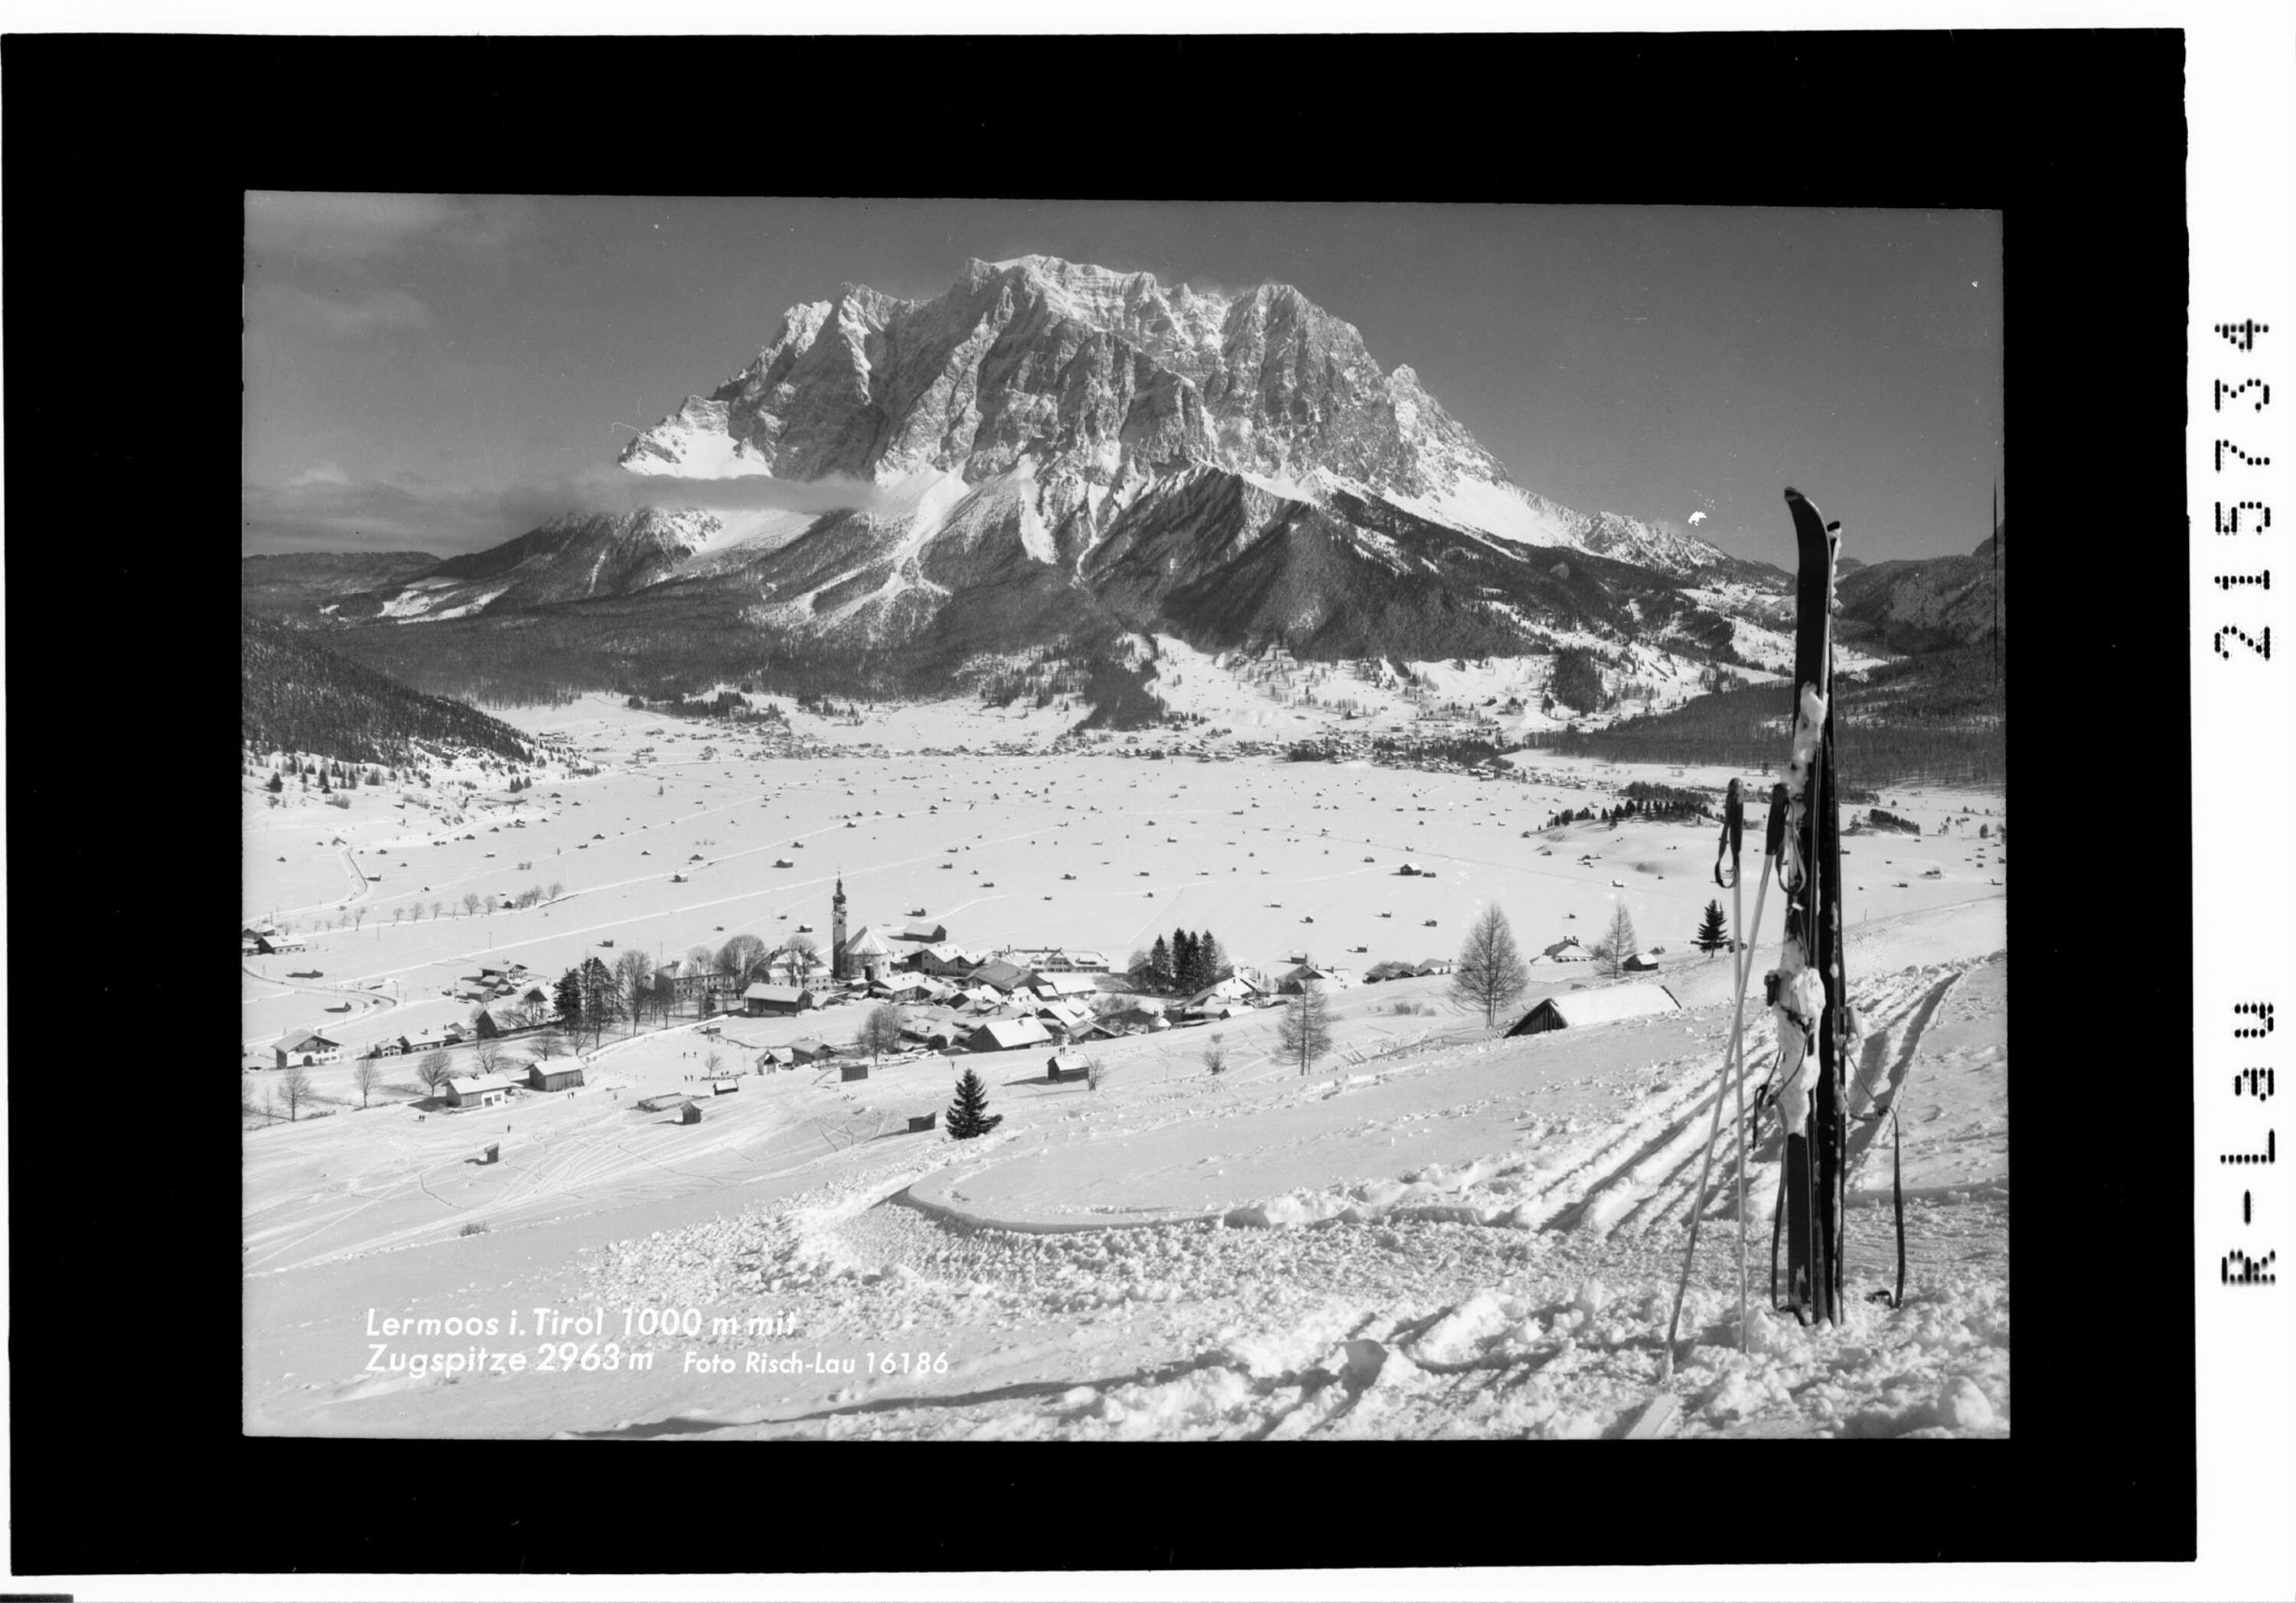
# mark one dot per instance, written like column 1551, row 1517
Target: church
column 865, row 956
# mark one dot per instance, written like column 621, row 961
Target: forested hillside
column 297, row 695
column 1939, row 717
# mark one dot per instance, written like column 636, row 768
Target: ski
column 1809, row 976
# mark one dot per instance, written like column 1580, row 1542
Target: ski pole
column 1738, row 1044
column 1733, row 831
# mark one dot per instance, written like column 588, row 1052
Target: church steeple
column 837, row 931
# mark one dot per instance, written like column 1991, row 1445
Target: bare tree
column 397, row 914
column 435, row 909
column 435, row 1068
column 471, row 901
column 294, row 1090
column 549, row 1043
column 634, row 984
column 1618, row 943
column 557, row 889
column 270, row 1104
column 712, row 1063
column 1490, row 973
column 365, row 1075
column 1215, row 1055
column 880, row 1031
column 1305, row 1030
column 358, row 917
column 802, row 947
column 739, row 955
column 488, row 1053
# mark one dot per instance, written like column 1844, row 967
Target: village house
column 1322, row 976
column 811, row 1050
column 999, row 976
column 1235, row 987
column 1005, row 1034
column 945, row 957
column 478, row 1091
column 305, row 1048
column 760, row 1001
column 1054, row 960
column 923, row 929
column 688, row 981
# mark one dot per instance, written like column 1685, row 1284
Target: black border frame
column 126, row 157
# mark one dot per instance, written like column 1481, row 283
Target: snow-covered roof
column 477, row 1084
column 866, row 942
column 1005, row 1034
column 1611, row 1003
column 762, row 993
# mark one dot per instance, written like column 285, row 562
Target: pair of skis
column 1806, row 992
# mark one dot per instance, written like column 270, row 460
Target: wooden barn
column 542, row 1076
column 1066, row 1065
column 1578, row 1010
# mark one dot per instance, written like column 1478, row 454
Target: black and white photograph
column 1002, row 730
column 904, row 819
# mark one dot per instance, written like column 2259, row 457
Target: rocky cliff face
column 1048, row 438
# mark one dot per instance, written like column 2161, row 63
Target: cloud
column 322, row 509
column 347, row 315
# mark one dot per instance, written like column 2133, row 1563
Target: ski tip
column 1794, row 494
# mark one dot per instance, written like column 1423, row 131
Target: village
column 673, row 982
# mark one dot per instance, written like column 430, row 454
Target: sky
column 441, row 373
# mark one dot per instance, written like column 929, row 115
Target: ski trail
column 1640, row 1176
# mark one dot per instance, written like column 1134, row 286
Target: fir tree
column 1712, row 935
column 1211, row 961
column 969, row 1115
column 1183, row 960
column 568, row 995
column 276, row 786
column 1159, row 965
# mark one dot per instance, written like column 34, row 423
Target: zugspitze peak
column 1048, row 447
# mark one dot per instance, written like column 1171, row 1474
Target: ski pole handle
column 1733, row 835
column 1774, row 826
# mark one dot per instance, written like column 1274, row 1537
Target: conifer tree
column 1211, row 962
column 1711, row 936
column 1160, row 964
column 969, row 1115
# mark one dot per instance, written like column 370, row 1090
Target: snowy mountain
column 1049, row 444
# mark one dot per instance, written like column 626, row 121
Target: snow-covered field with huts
column 1437, row 1230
